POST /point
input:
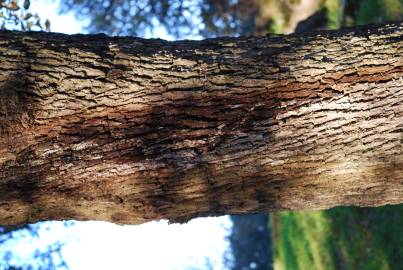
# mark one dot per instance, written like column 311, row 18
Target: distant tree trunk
column 131, row 130
column 251, row 242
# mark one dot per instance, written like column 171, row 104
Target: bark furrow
column 130, row 130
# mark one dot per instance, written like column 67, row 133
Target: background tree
column 206, row 18
column 180, row 18
column 251, row 242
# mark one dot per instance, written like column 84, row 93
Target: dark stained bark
column 131, row 130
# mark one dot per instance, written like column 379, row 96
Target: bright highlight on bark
column 131, row 130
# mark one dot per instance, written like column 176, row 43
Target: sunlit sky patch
column 62, row 23
column 199, row 244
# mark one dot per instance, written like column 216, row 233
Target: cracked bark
column 131, row 130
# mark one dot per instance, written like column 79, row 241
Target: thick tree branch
column 130, row 130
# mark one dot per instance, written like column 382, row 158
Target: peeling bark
column 130, row 130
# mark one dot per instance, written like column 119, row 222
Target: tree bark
column 130, row 130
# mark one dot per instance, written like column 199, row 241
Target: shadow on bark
column 177, row 142
column 177, row 146
column 23, row 177
column 173, row 147
column 16, row 114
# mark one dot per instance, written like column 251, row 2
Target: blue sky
column 101, row 245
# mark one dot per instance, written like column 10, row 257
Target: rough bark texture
column 131, row 130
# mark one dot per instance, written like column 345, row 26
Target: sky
column 68, row 24
column 62, row 23
column 101, row 245
column 154, row 245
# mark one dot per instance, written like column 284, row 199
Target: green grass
column 340, row 238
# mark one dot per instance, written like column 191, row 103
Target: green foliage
column 15, row 15
column 360, row 12
column 376, row 11
column 333, row 13
column 340, row 238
